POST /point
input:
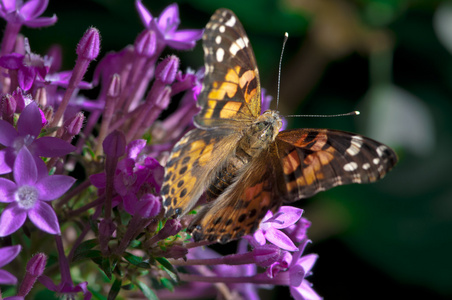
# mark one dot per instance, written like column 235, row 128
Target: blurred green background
column 390, row 59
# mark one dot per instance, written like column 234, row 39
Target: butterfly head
column 266, row 127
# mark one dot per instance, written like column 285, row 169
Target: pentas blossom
column 26, row 135
column 136, row 177
column 271, row 225
column 28, row 66
column 28, row 195
column 16, row 11
column 166, row 27
column 7, row 254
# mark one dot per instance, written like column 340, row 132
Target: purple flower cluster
column 81, row 177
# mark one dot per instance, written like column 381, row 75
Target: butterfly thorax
column 255, row 139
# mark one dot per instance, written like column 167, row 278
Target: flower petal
column 11, row 219
column 41, row 22
column 12, row 61
column 169, row 19
column 48, row 146
column 289, row 216
column 33, row 8
column 259, row 237
column 144, row 13
column 26, row 77
column 307, row 262
column 280, row 239
column 7, row 254
column 180, row 45
column 7, row 188
column 30, row 121
column 188, row 35
column 7, row 134
column 7, row 278
column 7, row 157
column 25, row 170
column 52, row 187
column 44, row 217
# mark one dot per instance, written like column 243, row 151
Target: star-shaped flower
column 16, row 11
column 269, row 229
column 28, row 195
column 166, row 27
column 26, row 135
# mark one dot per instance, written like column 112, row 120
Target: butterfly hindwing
column 231, row 89
column 239, row 209
column 315, row 160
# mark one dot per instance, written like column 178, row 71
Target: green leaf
column 81, row 254
column 115, row 288
column 147, row 292
column 172, row 272
column 167, row 284
column 133, row 259
column 106, row 267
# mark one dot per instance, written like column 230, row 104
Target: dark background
column 391, row 60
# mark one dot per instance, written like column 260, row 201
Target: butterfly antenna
column 352, row 113
column 286, row 36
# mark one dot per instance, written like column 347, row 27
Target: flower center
column 26, row 196
column 23, row 141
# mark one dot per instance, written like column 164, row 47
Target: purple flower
column 26, row 13
column 304, row 290
column 298, row 231
column 295, row 276
column 7, row 254
column 28, row 195
column 136, row 175
column 28, row 66
column 66, row 289
column 269, row 229
column 166, row 27
column 26, row 136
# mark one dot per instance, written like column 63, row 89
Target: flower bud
column 146, row 43
column 166, row 71
column 37, row 264
column 89, row 46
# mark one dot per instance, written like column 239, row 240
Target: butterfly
column 238, row 157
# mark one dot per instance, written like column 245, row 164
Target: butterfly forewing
column 315, row 160
column 231, row 89
column 192, row 165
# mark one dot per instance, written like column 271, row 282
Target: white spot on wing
column 230, row 22
column 355, row 145
column 376, row 161
column 351, row 166
column 238, row 45
column 218, row 39
column 222, row 28
column 219, row 54
column 366, row 166
column 380, row 150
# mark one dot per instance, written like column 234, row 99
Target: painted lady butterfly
column 239, row 157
